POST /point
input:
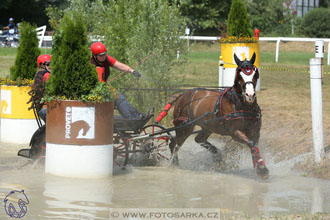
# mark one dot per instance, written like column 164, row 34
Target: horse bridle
column 247, row 71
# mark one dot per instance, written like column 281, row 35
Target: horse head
column 246, row 78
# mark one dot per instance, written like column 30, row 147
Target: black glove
column 136, row 73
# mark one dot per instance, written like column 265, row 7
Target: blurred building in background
column 301, row 7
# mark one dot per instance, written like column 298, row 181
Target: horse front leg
column 181, row 135
column 174, row 152
column 257, row 160
column 201, row 139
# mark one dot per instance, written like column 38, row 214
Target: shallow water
column 236, row 192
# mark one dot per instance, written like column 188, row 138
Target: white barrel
column 79, row 139
column 79, row 161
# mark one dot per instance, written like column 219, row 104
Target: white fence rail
column 276, row 39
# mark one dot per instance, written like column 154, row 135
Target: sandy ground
column 286, row 131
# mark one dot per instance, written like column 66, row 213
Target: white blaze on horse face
column 249, row 92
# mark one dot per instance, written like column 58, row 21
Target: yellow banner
column 13, row 102
column 242, row 50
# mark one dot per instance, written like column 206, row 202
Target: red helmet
column 98, row 48
column 43, row 58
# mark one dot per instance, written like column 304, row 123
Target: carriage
column 233, row 112
column 132, row 140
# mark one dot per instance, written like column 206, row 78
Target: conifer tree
column 238, row 21
column 72, row 74
column 25, row 66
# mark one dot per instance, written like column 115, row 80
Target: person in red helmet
column 38, row 86
column 103, row 62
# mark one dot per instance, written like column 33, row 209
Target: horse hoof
column 174, row 162
column 263, row 172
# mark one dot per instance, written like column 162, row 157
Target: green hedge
column 72, row 74
column 238, row 21
column 316, row 23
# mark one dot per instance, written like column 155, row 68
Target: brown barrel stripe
column 65, row 120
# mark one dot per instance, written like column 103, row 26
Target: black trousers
column 125, row 109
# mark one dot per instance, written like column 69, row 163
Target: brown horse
column 232, row 112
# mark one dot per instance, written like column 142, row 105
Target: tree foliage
column 270, row 17
column 201, row 15
column 238, row 21
column 143, row 34
column 316, row 23
column 72, row 74
column 25, row 66
column 324, row 3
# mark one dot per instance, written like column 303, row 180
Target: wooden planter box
column 17, row 123
column 79, row 138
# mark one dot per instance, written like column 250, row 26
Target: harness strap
column 236, row 114
column 242, row 115
column 180, row 109
column 185, row 119
column 236, row 102
column 190, row 101
column 221, row 97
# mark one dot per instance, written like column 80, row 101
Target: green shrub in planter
column 27, row 53
column 238, row 22
column 72, row 77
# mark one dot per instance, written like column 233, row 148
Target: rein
column 138, row 63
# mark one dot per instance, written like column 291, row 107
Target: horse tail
column 165, row 110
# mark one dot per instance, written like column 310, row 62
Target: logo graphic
column 6, row 101
column 80, row 122
column 15, row 204
column 241, row 52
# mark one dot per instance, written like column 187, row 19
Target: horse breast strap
column 236, row 114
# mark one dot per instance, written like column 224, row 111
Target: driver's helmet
column 11, row 19
column 98, row 48
column 44, row 59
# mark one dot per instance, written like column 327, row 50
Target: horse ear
column 237, row 60
column 253, row 58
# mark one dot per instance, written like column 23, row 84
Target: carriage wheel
column 120, row 151
column 156, row 149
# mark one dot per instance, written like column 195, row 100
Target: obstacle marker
column 17, row 123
